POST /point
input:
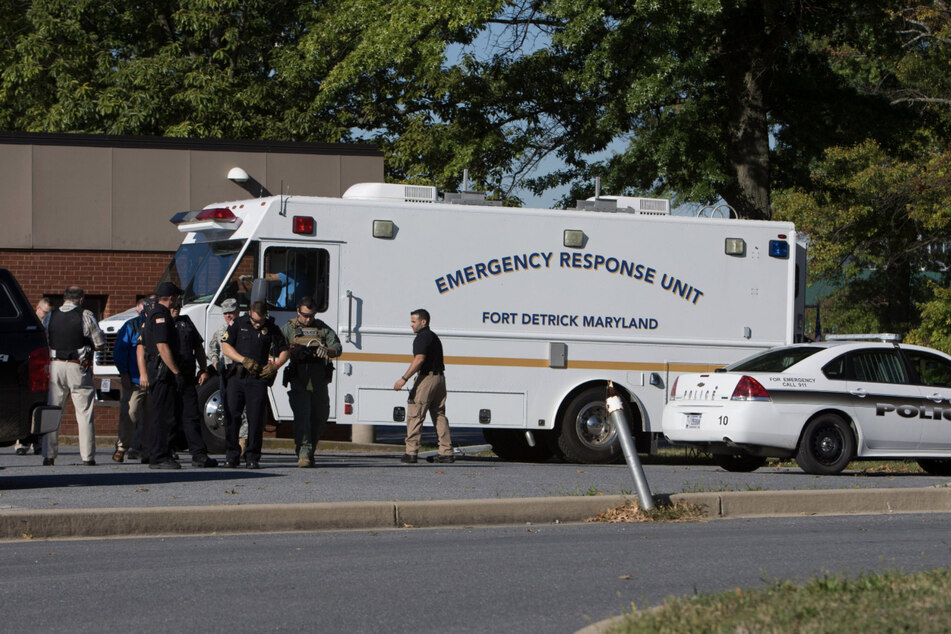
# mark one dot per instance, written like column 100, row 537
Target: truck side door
column 294, row 272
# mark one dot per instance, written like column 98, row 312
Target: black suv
column 24, row 367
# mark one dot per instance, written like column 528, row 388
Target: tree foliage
column 875, row 222
column 692, row 91
column 878, row 213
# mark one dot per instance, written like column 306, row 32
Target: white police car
column 824, row 403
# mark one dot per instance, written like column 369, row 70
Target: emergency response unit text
column 540, row 260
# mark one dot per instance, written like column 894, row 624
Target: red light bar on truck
column 303, row 225
column 211, row 219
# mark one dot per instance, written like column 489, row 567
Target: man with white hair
column 73, row 336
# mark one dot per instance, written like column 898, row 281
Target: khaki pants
column 132, row 415
column 428, row 395
column 70, row 379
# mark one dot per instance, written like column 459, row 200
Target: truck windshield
column 198, row 269
column 775, row 360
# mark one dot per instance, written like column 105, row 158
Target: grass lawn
column 884, row 602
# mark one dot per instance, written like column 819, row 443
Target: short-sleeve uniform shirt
column 159, row 328
column 427, row 343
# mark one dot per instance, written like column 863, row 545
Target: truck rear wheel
column 212, row 416
column 586, row 433
column 511, row 444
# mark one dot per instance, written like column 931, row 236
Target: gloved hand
column 268, row 372
column 322, row 352
column 179, row 381
column 251, row 365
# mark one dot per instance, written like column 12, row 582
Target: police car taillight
column 749, row 389
column 673, row 389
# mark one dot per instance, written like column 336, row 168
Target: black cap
column 167, row 289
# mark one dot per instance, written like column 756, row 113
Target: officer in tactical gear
column 191, row 357
column 312, row 346
column 250, row 342
column 165, row 378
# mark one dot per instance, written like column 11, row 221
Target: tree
column 712, row 100
column 875, row 222
column 877, row 213
column 709, row 99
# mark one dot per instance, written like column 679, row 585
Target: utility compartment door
column 295, row 271
column 381, row 406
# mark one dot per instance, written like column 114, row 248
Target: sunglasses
column 306, row 315
column 257, row 321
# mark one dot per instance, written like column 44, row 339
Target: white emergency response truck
column 537, row 309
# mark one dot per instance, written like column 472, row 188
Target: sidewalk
column 365, row 487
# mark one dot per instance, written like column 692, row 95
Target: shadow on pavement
column 58, row 480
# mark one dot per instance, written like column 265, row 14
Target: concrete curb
column 259, row 518
column 822, row 502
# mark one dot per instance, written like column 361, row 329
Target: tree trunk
column 747, row 133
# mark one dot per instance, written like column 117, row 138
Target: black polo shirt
column 427, row 343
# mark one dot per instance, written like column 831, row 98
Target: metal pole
column 616, row 414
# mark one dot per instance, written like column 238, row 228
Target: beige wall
column 148, row 188
column 16, row 203
column 121, row 198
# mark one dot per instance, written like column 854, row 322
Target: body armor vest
column 66, row 333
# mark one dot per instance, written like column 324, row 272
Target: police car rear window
column 774, row 360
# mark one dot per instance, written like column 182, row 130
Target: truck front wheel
column 586, row 434
column 212, row 416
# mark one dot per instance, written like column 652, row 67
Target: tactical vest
column 66, row 333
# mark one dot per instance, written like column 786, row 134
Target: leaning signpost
column 616, row 414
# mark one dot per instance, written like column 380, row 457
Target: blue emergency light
column 778, row 249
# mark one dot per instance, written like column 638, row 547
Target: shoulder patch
column 160, row 320
column 224, row 337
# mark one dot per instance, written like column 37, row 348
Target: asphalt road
column 521, row 579
column 376, row 475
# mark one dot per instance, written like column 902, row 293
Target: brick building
column 94, row 210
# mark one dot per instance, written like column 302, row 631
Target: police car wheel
column 212, row 416
column 738, row 462
column 586, row 434
column 935, row 466
column 827, row 445
column 511, row 444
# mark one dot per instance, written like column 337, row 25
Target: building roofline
column 178, row 143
